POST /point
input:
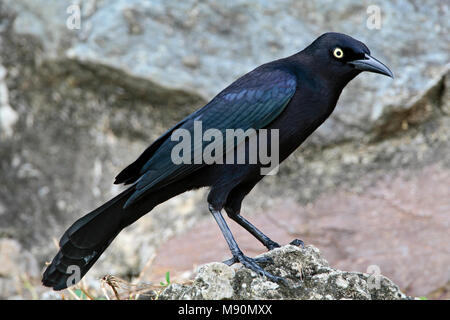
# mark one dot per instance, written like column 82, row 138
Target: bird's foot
column 258, row 260
column 298, row 243
column 271, row 245
column 252, row 264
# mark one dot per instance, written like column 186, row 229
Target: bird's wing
column 252, row 101
column 133, row 172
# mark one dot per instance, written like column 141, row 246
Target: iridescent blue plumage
column 252, row 101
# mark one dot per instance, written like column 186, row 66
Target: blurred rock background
column 370, row 189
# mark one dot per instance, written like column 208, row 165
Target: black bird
column 294, row 95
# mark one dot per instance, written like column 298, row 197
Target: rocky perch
column 308, row 277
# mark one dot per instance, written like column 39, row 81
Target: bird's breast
column 302, row 116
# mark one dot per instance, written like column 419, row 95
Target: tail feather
column 84, row 242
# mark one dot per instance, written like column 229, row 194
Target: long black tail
column 84, row 242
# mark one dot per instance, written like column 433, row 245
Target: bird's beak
column 371, row 64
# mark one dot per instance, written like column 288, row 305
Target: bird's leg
column 247, row 262
column 259, row 260
column 265, row 240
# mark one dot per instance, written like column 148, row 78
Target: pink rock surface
column 400, row 225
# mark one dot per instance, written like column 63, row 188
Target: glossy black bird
column 294, row 95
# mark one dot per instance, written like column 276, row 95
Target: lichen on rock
column 307, row 273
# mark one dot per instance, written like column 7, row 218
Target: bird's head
column 342, row 56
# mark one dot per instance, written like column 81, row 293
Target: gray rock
column 308, row 277
column 8, row 117
column 17, row 264
column 446, row 95
column 201, row 46
column 15, row 260
column 68, row 138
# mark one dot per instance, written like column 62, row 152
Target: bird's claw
column 265, row 260
column 230, row 262
column 258, row 260
column 253, row 264
column 298, row 243
column 272, row 245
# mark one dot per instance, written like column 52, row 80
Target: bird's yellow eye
column 338, row 53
